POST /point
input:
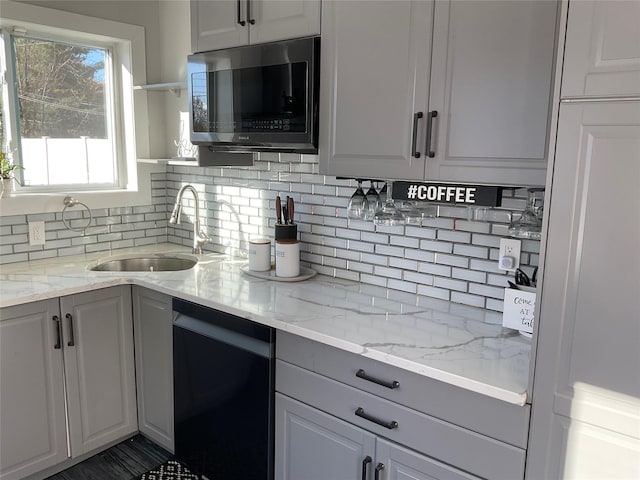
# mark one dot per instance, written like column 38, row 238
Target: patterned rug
column 170, row 470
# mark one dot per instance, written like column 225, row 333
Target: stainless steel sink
column 147, row 263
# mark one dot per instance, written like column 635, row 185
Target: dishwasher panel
column 223, row 393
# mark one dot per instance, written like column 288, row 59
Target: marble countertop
column 438, row 339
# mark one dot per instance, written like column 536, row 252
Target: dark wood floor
column 125, row 461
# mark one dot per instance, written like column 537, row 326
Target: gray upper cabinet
column 375, row 82
column 473, row 106
column 217, row 24
column 491, row 76
column 153, row 327
column 33, row 432
column 602, row 52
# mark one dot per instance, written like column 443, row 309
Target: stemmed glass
column 358, row 205
column 374, row 202
column 529, row 225
column 382, row 194
column 388, row 214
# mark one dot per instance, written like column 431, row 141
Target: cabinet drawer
column 474, row 411
column 448, row 443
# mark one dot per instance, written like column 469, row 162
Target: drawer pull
column 379, row 468
column 367, row 460
column 390, row 425
column 362, row 374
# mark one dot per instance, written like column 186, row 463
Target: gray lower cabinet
column 586, row 390
column 437, row 90
column 69, row 358
column 335, row 408
column 33, row 432
column 313, row 445
column 152, row 318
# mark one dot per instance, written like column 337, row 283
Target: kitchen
column 445, row 269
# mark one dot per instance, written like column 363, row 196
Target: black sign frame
column 459, row 194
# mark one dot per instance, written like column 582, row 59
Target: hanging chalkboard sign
column 479, row 195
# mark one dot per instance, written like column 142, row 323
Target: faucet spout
column 199, row 237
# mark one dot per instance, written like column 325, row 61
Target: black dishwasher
column 223, row 389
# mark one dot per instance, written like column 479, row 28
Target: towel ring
column 72, row 202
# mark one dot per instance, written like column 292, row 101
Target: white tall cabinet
column 65, row 360
column 437, row 90
column 586, row 390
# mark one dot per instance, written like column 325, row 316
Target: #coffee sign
column 448, row 193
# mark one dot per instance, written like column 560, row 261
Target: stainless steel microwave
column 259, row 98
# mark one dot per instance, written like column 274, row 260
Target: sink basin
column 146, row 263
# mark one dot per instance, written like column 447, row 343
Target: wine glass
column 388, row 214
column 382, row 194
column 374, row 202
column 358, row 205
column 529, row 224
column 410, row 212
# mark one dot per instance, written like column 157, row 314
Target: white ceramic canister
column 260, row 255
column 287, row 258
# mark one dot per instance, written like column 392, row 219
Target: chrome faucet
column 199, row 237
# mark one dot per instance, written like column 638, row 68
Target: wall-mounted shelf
column 170, row 161
column 173, row 87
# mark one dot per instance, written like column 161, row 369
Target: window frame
column 130, row 66
column 114, row 109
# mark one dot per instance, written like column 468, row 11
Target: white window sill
column 24, row 204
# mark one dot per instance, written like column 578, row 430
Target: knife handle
column 278, row 210
column 290, row 210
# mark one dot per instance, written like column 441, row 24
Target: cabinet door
column 152, row 319
column 283, row 19
column 375, row 71
column 602, row 50
column 402, row 464
column 590, row 301
column 216, row 24
column 312, row 445
column 33, row 432
column 99, row 366
column 491, row 78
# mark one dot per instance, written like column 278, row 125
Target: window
column 67, row 101
column 64, row 107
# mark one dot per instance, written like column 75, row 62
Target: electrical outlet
column 36, row 233
column 509, row 257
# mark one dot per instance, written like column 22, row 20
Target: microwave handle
column 240, row 22
column 252, row 21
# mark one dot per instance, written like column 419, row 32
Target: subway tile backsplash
column 452, row 257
